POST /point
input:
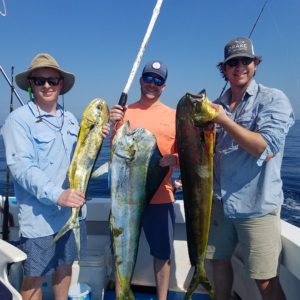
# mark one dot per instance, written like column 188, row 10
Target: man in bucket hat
column 39, row 139
column 252, row 125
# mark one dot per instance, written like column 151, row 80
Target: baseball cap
column 239, row 46
column 156, row 67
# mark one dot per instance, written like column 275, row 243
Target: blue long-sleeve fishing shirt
column 249, row 186
column 38, row 155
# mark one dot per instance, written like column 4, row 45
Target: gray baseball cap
column 237, row 47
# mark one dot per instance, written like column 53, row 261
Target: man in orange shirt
column 159, row 217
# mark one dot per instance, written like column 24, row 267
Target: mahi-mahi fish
column 88, row 146
column 195, row 140
column 135, row 177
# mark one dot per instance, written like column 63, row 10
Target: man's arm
column 250, row 141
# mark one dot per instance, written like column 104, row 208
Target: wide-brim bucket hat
column 45, row 60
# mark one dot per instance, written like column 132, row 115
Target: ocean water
column 290, row 176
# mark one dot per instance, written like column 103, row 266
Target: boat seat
column 9, row 254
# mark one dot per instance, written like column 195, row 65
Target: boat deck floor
column 110, row 295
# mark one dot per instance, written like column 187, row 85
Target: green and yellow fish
column 135, row 177
column 195, row 138
column 89, row 143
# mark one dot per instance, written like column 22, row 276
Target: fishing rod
column 7, row 217
column 252, row 30
column 4, row 8
column 11, row 85
column 155, row 13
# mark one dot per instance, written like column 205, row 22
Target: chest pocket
column 246, row 121
column 45, row 144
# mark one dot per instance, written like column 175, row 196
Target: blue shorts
column 43, row 257
column 158, row 223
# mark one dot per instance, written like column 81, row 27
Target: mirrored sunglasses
column 244, row 60
column 157, row 81
column 40, row 81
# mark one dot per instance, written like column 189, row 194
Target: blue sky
column 98, row 41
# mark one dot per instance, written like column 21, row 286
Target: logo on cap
column 156, row 65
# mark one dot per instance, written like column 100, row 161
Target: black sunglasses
column 235, row 61
column 157, row 81
column 40, row 81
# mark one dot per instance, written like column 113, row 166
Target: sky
column 99, row 40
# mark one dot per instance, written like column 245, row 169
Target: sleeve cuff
column 55, row 195
column 263, row 156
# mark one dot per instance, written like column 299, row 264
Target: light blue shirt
column 249, row 186
column 38, row 155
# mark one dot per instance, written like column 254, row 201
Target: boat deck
column 110, row 295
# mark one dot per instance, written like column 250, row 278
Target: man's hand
column 117, row 113
column 221, row 117
column 71, row 198
column 105, row 130
column 168, row 160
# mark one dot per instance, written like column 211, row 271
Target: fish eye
column 99, row 106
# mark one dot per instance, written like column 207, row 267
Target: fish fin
column 76, row 230
column 202, row 93
column 71, row 224
column 103, row 169
column 155, row 174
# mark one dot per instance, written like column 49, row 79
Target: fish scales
column 195, row 141
column 135, row 177
column 88, row 147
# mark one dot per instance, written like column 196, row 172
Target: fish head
column 127, row 142
column 96, row 114
column 203, row 112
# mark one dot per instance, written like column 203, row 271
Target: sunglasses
column 157, row 81
column 235, row 61
column 40, row 81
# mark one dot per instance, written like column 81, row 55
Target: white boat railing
column 9, row 254
column 97, row 221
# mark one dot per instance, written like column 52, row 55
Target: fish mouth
column 127, row 152
column 128, row 158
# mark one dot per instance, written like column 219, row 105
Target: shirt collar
column 250, row 91
column 41, row 112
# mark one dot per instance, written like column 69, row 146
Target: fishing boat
column 94, row 270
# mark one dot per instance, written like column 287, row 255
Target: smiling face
column 45, row 92
column 239, row 74
column 150, row 91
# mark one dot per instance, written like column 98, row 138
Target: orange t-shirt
column 160, row 120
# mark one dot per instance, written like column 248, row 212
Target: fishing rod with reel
column 249, row 36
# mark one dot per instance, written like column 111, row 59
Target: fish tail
column 126, row 293
column 72, row 224
column 199, row 277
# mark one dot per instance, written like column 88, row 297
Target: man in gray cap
column 252, row 125
column 40, row 138
column 159, row 217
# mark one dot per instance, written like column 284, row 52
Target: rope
column 4, row 7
